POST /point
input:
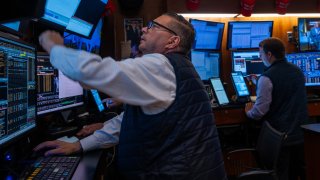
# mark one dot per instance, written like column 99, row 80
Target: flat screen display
column 207, row 64
column 309, row 34
column 208, row 34
column 247, row 62
column 309, row 63
column 239, row 84
column 219, row 91
column 248, row 34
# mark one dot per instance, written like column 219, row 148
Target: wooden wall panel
column 233, row 6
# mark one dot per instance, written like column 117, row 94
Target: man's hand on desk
column 248, row 107
column 89, row 129
column 58, row 148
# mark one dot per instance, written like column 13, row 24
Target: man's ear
column 173, row 42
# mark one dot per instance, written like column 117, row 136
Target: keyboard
column 53, row 167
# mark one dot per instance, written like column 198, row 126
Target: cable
column 112, row 158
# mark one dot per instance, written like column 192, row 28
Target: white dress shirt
column 148, row 81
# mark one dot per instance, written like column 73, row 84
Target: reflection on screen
column 239, row 84
column 247, row 62
column 207, row 64
column 219, row 91
column 248, row 34
column 55, row 90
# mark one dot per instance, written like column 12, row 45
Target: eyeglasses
column 152, row 23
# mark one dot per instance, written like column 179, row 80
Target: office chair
column 259, row 163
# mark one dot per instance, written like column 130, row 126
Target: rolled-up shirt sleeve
column 105, row 137
column 264, row 99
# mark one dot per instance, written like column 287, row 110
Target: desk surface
column 88, row 165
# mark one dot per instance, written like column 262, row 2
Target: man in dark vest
column 167, row 129
column 281, row 100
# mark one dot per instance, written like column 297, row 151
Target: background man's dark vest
column 288, row 109
column 179, row 143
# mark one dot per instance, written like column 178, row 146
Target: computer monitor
column 309, row 63
column 309, row 34
column 240, row 86
column 17, row 89
column 247, row 62
column 248, row 34
column 16, row 28
column 219, row 92
column 88, row 44
column 56, row 92
column 208, row 34
column 76, row 16
column 207, row 64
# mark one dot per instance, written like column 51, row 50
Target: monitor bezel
column 229, row 34
column 65, row 108
column 33, row 128
column 219, row 49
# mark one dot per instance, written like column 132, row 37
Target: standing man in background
column 167, row 129
column 281, row 100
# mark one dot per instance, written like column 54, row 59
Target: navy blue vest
column 181, row 142
column 288, row 109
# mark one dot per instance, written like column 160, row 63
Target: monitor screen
column 55, row 90
column 219, row 91
column 90, row 45
column 207, row 64
column 309, row 34
column 247, row 62
column 239, row 84
column 97, row 99
column 208, row 34
column 18, row 89
column 248, row 34
column 76, row 16
column 309, row 63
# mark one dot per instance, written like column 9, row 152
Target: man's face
column 264, row 57
column 155, row 37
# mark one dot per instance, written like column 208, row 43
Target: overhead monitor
column 208, row 34
column 309, row 63
column 16, row 28
column 55, row 91
column 248, row 34
column 13, row 10
column 309, row 34
column 76, row 16
column 207, row 64
column 17, row 89
column 247, row 62
column 87, row 44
